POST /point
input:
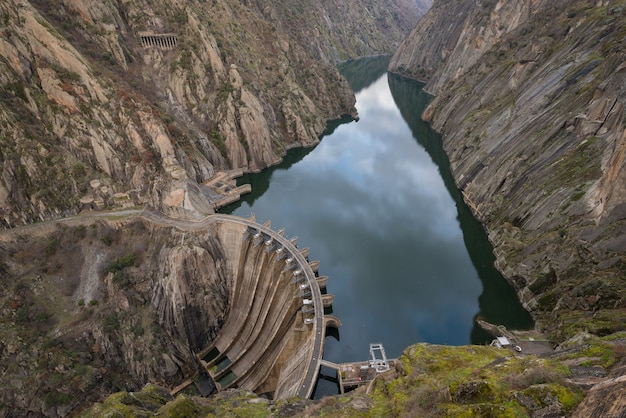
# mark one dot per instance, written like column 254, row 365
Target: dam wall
column 272, row 339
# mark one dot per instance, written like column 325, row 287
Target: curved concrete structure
column 273, row 337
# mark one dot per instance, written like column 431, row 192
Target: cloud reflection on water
column 371, row 205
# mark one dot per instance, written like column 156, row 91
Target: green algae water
column 376, row 203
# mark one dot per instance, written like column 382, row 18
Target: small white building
column 501, row 342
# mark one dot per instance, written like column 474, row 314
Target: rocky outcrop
column 96, row 306
column 530, row 104
column 96, row 112
column 428, row 380
column 338, row 30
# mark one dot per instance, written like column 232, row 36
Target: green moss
column 55, row 398
column 153, row 395
column 241, row 408
column 137, row 404
column 568, row 397
column 475, row 391
column 507, row 410
column 180, row 407
column 545, row 394
column 601, row 322
column 617, row 336
column 603, row 352
column 121, row 403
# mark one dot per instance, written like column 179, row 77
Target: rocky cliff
column 99, row 305
column 530, row 104
column 113, row 104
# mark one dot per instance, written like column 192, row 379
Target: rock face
column 118, row 104
column 97, row 307
column 530, row 104
column 338, row 30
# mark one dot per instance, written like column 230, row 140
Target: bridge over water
column 272, row 340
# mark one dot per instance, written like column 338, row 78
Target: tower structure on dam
column 273, row 337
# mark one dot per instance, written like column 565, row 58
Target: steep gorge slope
column 335, row 31
column 108, row 104
column 97, row 305
column 530, row 101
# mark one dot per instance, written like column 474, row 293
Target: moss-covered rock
column 432, row 380
column 180, row 407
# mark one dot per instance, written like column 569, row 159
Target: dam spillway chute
column 327, row 300
column 321, row 281
column 331, row 321
column 314, row 265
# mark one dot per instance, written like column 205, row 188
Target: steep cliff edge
column 94, row 306
column 123, row 103
column 530, row 104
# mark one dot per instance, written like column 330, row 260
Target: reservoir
column 375, row 202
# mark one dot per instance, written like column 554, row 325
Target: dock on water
column 353, row 375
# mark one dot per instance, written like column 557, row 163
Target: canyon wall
column 94, row 306
column 529, row 99
column 116, row 104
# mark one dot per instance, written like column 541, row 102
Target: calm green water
column 376, row 203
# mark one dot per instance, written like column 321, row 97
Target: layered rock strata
column 120, row 104
column 529, row 99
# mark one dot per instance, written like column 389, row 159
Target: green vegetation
column 218, row 140
column 430, row 381
column 121, row 263
column 52, row 246
column 111, row 322
column 118, row 266
column 226, row 90
column 54, row 398
column 19, row 89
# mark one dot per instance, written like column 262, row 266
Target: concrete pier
column 353, row 375
column 222, row 189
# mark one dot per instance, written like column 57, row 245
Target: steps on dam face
column 246, row 287
column 264, row 304
column 265, row 354
column 259, row 324
column 295, row 366
column 275, row 323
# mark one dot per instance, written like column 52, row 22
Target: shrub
column 55, row 398
column 52, row 246
column 111, row 322
column 121, row 263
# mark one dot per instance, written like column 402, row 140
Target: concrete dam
column 272, row 339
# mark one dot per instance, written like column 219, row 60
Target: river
column 376, row 203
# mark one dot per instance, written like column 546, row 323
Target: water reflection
column 377, row 211
column 498, row 302
column 363, row 72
